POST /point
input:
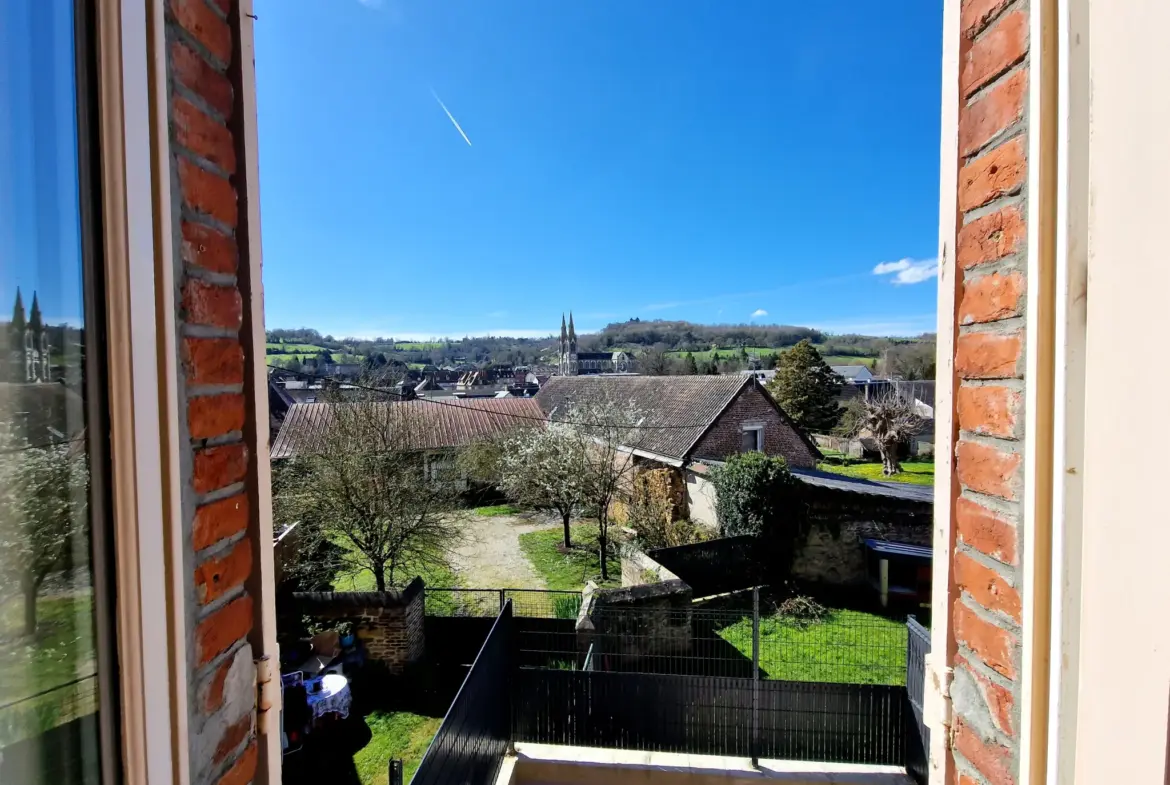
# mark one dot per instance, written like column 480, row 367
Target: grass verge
column 913, row 472
column 494, row 510
column 395, row 734
column 849, row 647
column 569, row 571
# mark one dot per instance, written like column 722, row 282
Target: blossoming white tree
column 43, row 504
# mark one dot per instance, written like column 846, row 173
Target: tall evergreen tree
column 806, row 388
column 690, row 367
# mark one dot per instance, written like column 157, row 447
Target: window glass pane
column 48, row 655
column 748, row 441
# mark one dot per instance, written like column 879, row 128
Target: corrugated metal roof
column 452, row 422
column 888, row 548
column 897, row 490
column 671, row 401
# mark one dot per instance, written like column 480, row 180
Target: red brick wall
column 753, row 405
column 989, row 364
column 201, row 44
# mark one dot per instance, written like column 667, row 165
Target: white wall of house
column 701, row 499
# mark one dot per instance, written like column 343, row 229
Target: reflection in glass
column 48, row 660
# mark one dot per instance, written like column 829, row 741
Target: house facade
column 687, row 420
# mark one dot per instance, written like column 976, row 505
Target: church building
column 577, row 363
column 28, row 344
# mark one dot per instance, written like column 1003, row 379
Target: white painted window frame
column 758, row 428
column 150, row 612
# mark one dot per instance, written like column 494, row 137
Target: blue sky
column 452, row 167
column 40, row 245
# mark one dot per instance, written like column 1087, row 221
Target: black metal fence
column 691, row 679
column 716, row 566
column 712, row 715
column 917, row 734
column 471, row 742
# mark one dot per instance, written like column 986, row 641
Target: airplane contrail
column 451, row 117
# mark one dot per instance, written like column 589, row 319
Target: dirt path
column 491, row 558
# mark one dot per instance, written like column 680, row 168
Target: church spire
column 564, row 333
column 572, row 331
column 18, row 321
column 35, row 321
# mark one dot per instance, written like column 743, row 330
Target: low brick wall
column 389, row 624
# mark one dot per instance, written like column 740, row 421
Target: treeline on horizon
column 633, row 335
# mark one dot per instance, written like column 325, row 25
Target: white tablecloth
column 334, row 696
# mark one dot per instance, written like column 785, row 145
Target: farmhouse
column 689, row 419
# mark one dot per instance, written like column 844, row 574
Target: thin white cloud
column 896, row 325
column 375, row 4
column 498, row 314
column 908, row 271
column 719, row 298
column 756, row 314
column 450, row 116
column 446, row 334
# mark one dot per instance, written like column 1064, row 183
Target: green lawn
column 61, row 652
column 913, row 472
column 493, row 510
column 397, row 734
column 849, row 647
column 570, row 571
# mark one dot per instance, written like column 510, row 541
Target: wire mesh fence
column 531, row 603
column 844, row 647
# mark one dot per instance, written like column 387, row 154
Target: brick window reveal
column 203, row 94
column 989, row 364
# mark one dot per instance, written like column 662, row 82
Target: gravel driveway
column 490, row 556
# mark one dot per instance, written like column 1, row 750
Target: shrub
column 757, row 495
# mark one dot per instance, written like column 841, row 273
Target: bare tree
column 655, row 361
column 43, row 503
column 607, row 432
column 891, row 420
column 367, row 481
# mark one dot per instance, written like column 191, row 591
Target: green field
column 849, row 647
column 338, row 357
column 913, row 472
column 570, row 571
column 394, row 734
column 417, row 346
column 297, row 348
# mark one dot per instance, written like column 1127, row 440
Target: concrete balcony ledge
column 550, row 764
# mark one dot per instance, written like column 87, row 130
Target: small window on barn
column 752, row 438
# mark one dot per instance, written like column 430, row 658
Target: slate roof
column 449, row 423
column 850, row 371
column 673, row 401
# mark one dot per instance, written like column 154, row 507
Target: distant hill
column 635, row 335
